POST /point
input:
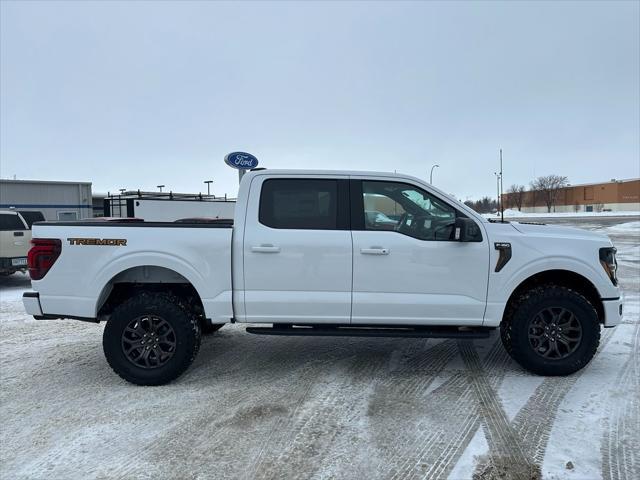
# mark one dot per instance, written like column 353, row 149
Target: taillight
column 43, row 254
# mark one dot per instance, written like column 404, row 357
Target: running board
column 373, row 331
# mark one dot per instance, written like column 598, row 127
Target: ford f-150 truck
column 327, row 253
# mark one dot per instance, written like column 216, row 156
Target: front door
column 407, row 267
column 297, row 251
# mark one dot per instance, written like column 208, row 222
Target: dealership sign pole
column 242, row 161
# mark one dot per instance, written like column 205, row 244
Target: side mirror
column 466, row 230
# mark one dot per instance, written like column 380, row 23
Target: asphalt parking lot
column 297, row 407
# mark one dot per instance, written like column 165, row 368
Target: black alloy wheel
column 148, row 341
column 555, row 333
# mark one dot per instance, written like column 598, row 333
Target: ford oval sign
column 241, row 160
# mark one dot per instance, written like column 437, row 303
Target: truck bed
column 98, row 254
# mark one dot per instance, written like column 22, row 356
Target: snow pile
column 517, row 214
column 629, row 227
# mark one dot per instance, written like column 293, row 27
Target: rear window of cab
column 11, row 222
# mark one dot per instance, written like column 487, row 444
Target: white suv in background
column 15, row 240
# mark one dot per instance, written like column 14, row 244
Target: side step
column 372, row 331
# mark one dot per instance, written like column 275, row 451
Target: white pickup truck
column 328, row 253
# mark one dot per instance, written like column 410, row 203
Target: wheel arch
column 145, row 277
column 563, row 278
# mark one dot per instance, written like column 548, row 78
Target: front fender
column 504, row 283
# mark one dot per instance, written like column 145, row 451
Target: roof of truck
column 286, row 171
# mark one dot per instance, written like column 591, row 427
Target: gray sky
column 138, row 94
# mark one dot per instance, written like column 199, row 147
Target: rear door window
column 309, row 204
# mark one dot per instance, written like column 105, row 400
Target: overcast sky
column 139, row 94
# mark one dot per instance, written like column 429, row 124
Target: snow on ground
column 517, row 214
column 260, row 407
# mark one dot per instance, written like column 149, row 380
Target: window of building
column 64, row 216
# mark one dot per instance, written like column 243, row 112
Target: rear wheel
column 551, row 330
column 150, row 339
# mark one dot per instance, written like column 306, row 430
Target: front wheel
column 150, row 339
column 552, row 331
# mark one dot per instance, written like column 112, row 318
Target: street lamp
column 160, row 187
column 208, row 182
column 431, row 174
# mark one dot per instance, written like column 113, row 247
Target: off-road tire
column 208, row 328
column 167, row 307
column 514, row 330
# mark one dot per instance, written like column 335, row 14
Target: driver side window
column 406, row 209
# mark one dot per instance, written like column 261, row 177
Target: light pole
column 208, row 182
column 160, row 187
column 499, row 200
column 431, row 174
column 501, row 190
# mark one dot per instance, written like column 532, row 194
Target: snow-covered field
column 517, row 214
column 296, row 407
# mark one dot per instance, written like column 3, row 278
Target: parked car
column 302, row 259
column 15, row 238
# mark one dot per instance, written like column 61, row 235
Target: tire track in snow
column 312, row 440
column 535, row 420
column 442, row 434
column 505, row 447
column 399, row 405
column 620, row 447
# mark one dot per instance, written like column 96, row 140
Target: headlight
column 609, row 263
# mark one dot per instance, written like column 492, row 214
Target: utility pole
column 501, row 190
column 208, row 182
column 497, row 174
column 160, row 187
column 431, row 174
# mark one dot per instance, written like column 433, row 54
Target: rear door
column 297, row 250
column 407, row 267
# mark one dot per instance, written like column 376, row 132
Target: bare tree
column 516, row 195
column 548, row 187
column 484, row 205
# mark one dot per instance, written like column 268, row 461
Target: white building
column 56, row 200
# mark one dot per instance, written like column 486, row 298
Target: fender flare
column 105, row 276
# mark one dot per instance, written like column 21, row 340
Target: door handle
column 266, row 248
column 374, row 251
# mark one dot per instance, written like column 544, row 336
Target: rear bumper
column 612, row 311
column 13, row 264
column 31, row 302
